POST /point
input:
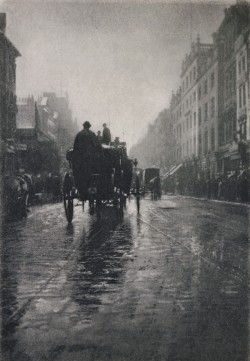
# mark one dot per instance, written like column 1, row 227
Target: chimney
column 2, row 22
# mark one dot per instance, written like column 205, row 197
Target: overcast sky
column 119, row 62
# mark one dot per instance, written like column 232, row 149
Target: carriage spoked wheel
column 121, row 203
column 122, row 198
column 91, row 206
column 137, row 194
column 68, row 200
column 68, row 196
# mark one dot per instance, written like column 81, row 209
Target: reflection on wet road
column 171, row 284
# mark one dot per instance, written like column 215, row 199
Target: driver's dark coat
column 86, row 144
column 87, row 151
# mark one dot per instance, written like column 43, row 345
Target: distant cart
column 151, row 182
column 105, row 179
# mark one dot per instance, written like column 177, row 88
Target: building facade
column 210, row 111
column 35, row 143
column 236, row 20
column 8, row 109
column 242, row 54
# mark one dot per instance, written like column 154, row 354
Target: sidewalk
column 237, row 204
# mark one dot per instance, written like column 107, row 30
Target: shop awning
column 173, row 170
column 176, row 169
column 166, row 174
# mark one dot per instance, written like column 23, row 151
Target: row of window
column 192, row 98
column 189, row 79
column 242, row 96
column 205, row 86
column 242, row 65
column 188, row 148
column 189, row 123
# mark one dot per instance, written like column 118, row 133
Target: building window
column 206, row 112
column 194, row 96
column 244, row 95
column 199, row 116
column 212, row 107
column 194, row 119
column 199, row 145
column 212, row 139
column 186, row 103
column 205, row 87
column 239, row 67
column 194, row 73
column 190, row 76
column 187, row 123
column 227, row 86
column 243, row 63
column 212, row 80
column 194, row 142
column 190, row 121
column 186, row 82
column 240, row 98
column 199, row 92
column 243, row 131
column 206, row 142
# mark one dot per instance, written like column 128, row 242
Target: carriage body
column 103, row 178
column 148, row 175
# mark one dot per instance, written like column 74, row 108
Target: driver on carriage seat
column 86, row 152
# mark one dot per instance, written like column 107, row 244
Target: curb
column 237, row 204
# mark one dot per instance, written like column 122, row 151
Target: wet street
column 171, row 284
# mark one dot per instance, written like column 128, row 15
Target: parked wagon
column 104, row 179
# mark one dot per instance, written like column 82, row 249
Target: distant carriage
column 151, row 182
column 155, row 187
column 104, row 178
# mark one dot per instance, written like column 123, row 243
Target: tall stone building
column 242, row 53
column 236, row 19
column 60, row 124
column 8, row 109
column 193, row 107
column 210, row 111
column 207, row 105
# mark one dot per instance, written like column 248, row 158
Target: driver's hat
column 87, row 124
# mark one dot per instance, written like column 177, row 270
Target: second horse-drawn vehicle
column 103, row 178
column 151, row 182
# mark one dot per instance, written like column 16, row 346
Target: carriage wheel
column 91, row 206
column 138, row 194
column 68, row 206
column 121, row 201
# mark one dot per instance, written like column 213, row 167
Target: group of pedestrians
column 229, row 188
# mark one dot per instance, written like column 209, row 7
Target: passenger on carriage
column 99, row 137
column 106, row 135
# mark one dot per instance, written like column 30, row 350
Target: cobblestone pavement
column 169, row 284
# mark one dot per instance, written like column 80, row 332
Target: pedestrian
column 106, row 135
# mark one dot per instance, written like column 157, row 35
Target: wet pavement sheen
column 169, row 284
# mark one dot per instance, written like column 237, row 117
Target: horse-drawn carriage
column 151, row 182
column 104, row 178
